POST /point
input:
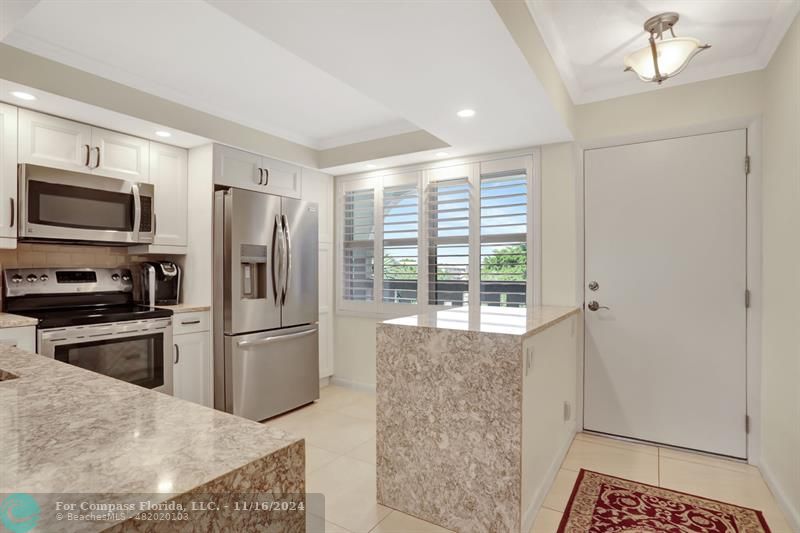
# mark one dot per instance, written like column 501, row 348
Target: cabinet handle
column 13, row 214
column 177, row 354
column 190, row 322
column 260, row 176
column 88, row 151
column 97, row 163
column 266, row 173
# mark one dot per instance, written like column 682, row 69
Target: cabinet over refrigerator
column 266, row 340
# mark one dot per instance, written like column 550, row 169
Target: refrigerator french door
column 266, row 342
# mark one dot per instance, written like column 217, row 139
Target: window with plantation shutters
column 504, row 238
column 448, row 241
column 358, row 245
column 400, row 243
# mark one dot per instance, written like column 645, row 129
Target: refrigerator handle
column 267, row 340
column 277, row 258
column 288, row 252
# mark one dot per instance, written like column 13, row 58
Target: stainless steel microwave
column 60, row 205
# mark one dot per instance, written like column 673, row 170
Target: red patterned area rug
column 606, row 504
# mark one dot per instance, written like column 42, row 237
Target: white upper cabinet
column 237, row 168
column 53, row 142
column 59, row 143
column 281, row 178
column 168, row 173
column 246, row 170
column 119, row 156
column 8, row 176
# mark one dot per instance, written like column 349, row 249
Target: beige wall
column 52, row 255
column 668, row 108
column 559, row 224
column 781, row 274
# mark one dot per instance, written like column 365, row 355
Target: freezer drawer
column 271, row 372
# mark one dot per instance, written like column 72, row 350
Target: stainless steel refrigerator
column 266, row 338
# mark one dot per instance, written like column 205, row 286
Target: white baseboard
column 324, row 382
column 789, row 508
column 365, row 387
column 529, row 514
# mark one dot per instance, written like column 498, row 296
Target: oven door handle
column 137, row 211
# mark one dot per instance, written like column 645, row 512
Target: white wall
column 781, row 273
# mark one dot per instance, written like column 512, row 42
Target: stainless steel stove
column 88, row 318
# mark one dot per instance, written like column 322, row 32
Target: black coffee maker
column 159, row 283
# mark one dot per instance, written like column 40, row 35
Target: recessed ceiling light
column 23, row 95
column 162, row 133
column 371, row 166
column 442, row 154
column 466, row 113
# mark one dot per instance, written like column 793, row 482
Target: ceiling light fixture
column 164, row 134
column 466, row 113
column 23, row 95
column 663, row 58
column 442, row 154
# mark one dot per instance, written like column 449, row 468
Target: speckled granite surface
column 65, row 429
column 506, row 320
column 449, row 407
column 8, row 320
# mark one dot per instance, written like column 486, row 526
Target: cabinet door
column 281, row 178
column 318, row 187
column 8, row 176
column 53, row 142
column 22, row 337
column 191, row 373
column 237, row 168
column 119, row 156
column 168, row 173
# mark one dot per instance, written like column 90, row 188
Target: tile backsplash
column 57, row 255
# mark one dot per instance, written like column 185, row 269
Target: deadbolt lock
column 593, row 285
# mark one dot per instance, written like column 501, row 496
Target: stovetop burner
column 59, row 318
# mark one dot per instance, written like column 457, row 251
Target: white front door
column 666, row 245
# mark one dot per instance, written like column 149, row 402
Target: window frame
column 528, row 160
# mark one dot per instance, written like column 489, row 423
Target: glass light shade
column 673, row 56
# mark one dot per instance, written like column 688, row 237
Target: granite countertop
column 185, row 308
column 8, row 320
column 522, row 322
column 65, row 429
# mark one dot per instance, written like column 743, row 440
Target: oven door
column 139, row 352
column 74, row 206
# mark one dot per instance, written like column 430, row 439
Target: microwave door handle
column 288, row 254
column 137, row 211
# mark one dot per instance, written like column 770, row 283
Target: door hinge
column 747, row 164
column 747, row 424
column 747, row 298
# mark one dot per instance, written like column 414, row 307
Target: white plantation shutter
column 504, row 238
column 358, row 245
column 401, row 205
column 448, row 241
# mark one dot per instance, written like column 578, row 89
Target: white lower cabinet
column 191, row 373
column 22, row 337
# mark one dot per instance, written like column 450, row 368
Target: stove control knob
column 16, row 278
column 114, row 277
column 126, row 277
column 44, row 277
column 32, row 278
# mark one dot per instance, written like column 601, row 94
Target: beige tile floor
column 340, row 463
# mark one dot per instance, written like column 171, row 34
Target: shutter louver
column 359, row 246
column 504, row 231
column 400, row 243
column 448, row 242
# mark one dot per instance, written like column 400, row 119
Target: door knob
column 594, row 306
